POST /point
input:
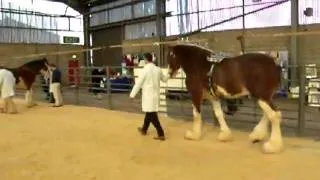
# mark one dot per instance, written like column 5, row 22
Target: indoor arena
column 238, row 95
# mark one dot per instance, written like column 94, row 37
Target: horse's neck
column 33, row 70
column 195, row 71
column 25, row 74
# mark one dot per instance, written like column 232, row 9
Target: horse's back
column 256, row 59
column 254, row 73
column 261, row 66
column 261, row 75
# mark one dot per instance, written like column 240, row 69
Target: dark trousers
column 152, row 117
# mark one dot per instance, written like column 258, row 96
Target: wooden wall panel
column 106, row 37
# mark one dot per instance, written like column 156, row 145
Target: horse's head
column 174, row 63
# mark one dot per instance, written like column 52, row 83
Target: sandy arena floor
column 77, row 143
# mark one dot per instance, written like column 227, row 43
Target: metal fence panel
column 300, row 109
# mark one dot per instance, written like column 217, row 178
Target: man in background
column 149, row 81
column 55, row 85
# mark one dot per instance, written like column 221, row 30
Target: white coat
column 50, row 82
column 7, row 83
column 149, row 81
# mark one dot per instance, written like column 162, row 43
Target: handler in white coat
column 7, row 87
column 149, row 81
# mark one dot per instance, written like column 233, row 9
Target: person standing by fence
column 55, row 85
column 149, row 81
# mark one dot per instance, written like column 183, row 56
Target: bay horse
column 26, row 75
column 251, row 74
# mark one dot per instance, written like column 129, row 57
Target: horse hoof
column 31, row 105
column 191, row 136
column 272, row 147
column 225, row 136
column 255, row 141
column 257, row 136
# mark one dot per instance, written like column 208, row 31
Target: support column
column 161, row 29
column 297, row 73
column 293, row 61
column 243, row 44
column 86, row 24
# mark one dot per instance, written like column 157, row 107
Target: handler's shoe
column 142, row 131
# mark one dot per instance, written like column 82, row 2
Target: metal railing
column 112, row 92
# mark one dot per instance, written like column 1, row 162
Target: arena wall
column 139, row 49
column 308, row 46
column 8, row 51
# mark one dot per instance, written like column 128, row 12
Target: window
column 211, row 12
column 182, row 6
column 181, row 24
column 140, row 30
column 315, row 4
column 146, row 8
column 99, row 18
column 279, row 15
column 34, row 28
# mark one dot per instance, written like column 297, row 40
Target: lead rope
column 213, row 58
column 209, row 74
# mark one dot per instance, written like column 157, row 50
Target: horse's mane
column 198, row 46
column 207, row 50
column 34, row 62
